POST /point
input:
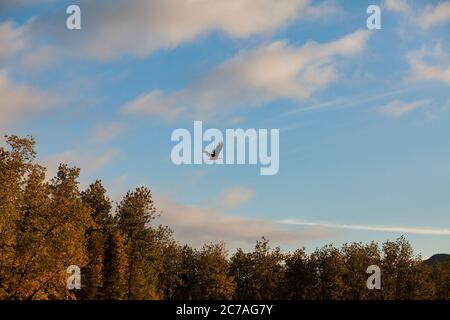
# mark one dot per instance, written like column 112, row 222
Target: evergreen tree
column 116, row 266
column 135, row 212
column 95, row 198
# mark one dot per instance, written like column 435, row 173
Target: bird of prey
column 215, row 154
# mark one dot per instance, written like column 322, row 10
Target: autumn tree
column 48, row 224
column 64, row 241
column 330, row 269
column 15, row 163
column 356, row 258
column 404, row 275
column 43, row 225
column 213, row 277
column 258, row 274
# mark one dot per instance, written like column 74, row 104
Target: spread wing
column 207, row 153
column 218, row 149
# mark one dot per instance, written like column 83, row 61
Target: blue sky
column 363, row 115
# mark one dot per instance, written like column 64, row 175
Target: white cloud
column 21, row 47
column 196, row 225
column 429, row 63
column 18, row 101
column 156, row 103
column 106, row 132
column 235, row 196
column 140, row 27
column 400, row 6
column 411, row 230
column 398, row 108
column 21, row 3
column 274, row 71
column 435, row 15
column 41, row 58
column 88, row 161
column 11, row 40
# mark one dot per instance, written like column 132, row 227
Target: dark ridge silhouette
column 437, row 258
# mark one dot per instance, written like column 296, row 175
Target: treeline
column 46, row 226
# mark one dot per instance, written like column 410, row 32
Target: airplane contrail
column 413, row 230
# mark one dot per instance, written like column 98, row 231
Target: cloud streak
column 410, row 230
column 397, row 108
column 196, row 225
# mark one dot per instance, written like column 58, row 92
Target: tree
column 135, row 212
column 95, row 198
column 170, row 275
column 15, row 163
column 300, row 282
column 65, row 241
column 115, row 286
column 42, row 225
column 213, row 273
column 404, row 276
column 258, row 274
column 29, row 262
column 356, row 258
column 330, row 269
column 440, row 277
column 45, row 226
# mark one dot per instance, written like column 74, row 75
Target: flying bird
column 215, row 154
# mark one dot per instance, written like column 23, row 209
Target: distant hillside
column 437, row 258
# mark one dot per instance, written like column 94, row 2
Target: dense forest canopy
column 48, row 225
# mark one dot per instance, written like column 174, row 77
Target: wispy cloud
column 234, row 197
column 11, row 40
column 19, row 101
column 253, row 78
column 411, row 230
column 429, row 63
column 400, row 6
column 106, row 132
column 348, row 101
column 196, row 225
column 88, row 160
column 21, row 3
column 430, row 16
column 397, row 108
column 435, row 15
column 40, row 58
